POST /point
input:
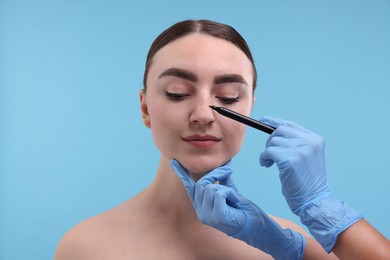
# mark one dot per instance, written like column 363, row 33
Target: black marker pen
column 244, row 119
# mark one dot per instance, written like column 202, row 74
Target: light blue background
column 72, row 142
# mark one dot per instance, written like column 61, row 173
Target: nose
column 201, row 113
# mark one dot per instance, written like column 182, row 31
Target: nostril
column 202, row 115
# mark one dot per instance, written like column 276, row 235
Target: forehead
column 202, row 53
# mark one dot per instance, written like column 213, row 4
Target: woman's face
column 185, row 77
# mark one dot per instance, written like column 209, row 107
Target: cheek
column 235, row 131
column 235, row 138
column 164, row 128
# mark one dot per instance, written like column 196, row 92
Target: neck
column 168, row 196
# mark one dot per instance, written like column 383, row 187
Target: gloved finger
column 220, row 215
column 272, row 121
column 266, row 159
column 228, row 182
column 229, row 163
column 217, row 174
column 304, row 142
column 220, row 174
column 225, row 195
column 226, row 207
column 276, row 122
column 278, row 155
column 185, row 177
column 215, row 197
column 287, row 133
column 203, row 206
column 285, row 142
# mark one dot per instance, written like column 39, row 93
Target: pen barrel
column 246, row 120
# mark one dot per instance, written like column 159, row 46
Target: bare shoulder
column 91, row 237
column 285, row 223
column 313, row 249
column 78, row 243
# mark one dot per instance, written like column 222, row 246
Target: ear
column 144, row 108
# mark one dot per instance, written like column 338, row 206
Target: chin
column 198, row 168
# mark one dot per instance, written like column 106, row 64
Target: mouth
column 202, row 141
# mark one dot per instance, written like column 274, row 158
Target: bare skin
column 351, row 244
column 159, row 223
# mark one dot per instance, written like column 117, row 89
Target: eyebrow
column 230, row 78
column 188, row 75
column 179, row 73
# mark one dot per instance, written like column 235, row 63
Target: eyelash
column 180, row 97
column 228, row 101
column 176, row 96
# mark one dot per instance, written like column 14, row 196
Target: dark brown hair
column 211, row 28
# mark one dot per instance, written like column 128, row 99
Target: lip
column 202, row 141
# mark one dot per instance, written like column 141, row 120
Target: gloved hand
column 221, row 206
column 300, row 157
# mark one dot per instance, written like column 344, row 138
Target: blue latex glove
column 221, row 206
column 300, row 157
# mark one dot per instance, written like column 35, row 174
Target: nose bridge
column 201, row 112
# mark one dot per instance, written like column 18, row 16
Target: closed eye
column 227, row 100
column 176, row 96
